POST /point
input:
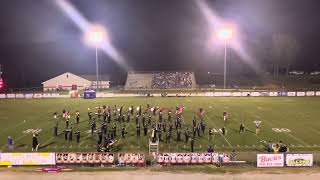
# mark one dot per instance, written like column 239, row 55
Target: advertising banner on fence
column 299, row 159
column 273, row 93
column 310, row 93
column 209, row 93
column 270, row 160
column 236, row 94
column 7, row 159
column 245, row 94
column 20, row 96
column 37, row 96
column 86, row 158
column 218, row 94
column 291, row 93
column 131, row 158
column 226, row 94
column 282, row 93
column 11, row 95
column 301, row 93
column 317, row 93
column 255, row 94
column 187, row 158
column 29, row 96
column 3, row 96
column 264, row 93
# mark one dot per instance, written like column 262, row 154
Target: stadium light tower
column 225, row 34
column 95, row 36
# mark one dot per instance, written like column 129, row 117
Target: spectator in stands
column 167, row 80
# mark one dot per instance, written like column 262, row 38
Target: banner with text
column 7, row 159
column 299, row 160
column 270, row 160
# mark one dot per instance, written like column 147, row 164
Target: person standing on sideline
column 10, row 143
column 78, row 135
column 35, row 143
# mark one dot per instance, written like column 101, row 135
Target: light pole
column 95, row 36
column 225, row 34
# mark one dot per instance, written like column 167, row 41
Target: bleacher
column 160, row 80
column 138, row 80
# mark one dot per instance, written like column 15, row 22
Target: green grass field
column 298, row 114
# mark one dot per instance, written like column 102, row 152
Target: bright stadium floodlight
column 225, row 34
column 96, row 36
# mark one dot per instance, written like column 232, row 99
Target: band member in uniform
column 128, row 117
column 186, row 135
column 168, row 137
column 192, row 143
column 93, row 125
column 77, row 116
column 258, row 123
column 66, row 133
column 89, row 114
column 70, row 134
column 137, row 119
column 242, row 128
column 210, row 134
column 145, row 129
column 123, row 132
column 178, row 135
column 225, row 116
column 100, row 134
column 114, row 130
column 194, row 121
column 138, row 130
column 149, row 120
column 35, row 143
column 78, row 135
column 224, row 131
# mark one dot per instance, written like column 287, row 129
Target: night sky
column 38, row 41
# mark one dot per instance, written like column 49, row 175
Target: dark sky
column 38, row 41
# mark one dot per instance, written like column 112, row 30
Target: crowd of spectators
column 171, row 80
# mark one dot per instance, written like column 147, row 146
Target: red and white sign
column 3, row 96
column 209, row 94
column 317, row 93
column 218, row 94
column 270, row 160
column 226, row 94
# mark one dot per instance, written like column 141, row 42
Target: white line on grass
column 217, row 128
column 318, row 132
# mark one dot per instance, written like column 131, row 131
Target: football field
column 293, row 120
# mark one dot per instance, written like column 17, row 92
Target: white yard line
column 219, row 133
column 290, row 135
column 316, row 131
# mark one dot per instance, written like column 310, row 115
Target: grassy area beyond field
column 300, row 115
